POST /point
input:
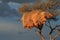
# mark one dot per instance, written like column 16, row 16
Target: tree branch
column 56, row 36
column 51, row 38
column 41, row 35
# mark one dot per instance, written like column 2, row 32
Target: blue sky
column 9, row 20
column 10, row 28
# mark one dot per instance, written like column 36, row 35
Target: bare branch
column 41, row 35
column 56, row 36
column 51, row 38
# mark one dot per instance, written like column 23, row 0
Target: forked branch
column 41, row 35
